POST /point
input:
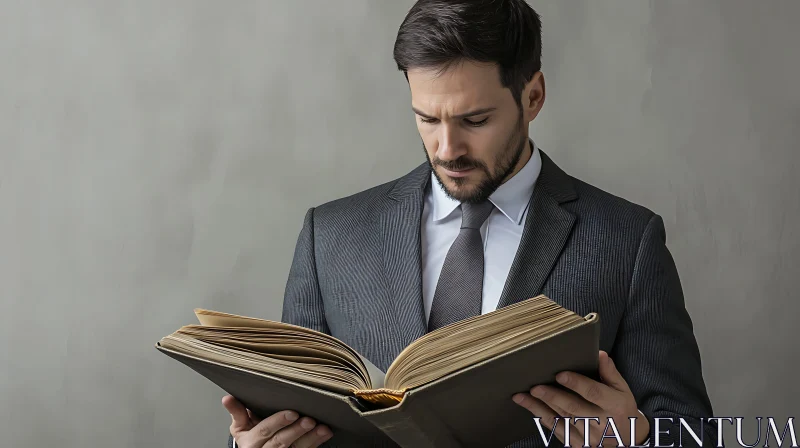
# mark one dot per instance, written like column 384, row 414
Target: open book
column 451, row 387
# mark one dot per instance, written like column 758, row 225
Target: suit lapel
column 547, row 228
column 400, row 226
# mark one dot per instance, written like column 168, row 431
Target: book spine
column 417, row 429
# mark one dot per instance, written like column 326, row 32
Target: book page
column 218, row 319
column 377, row 377
column 472, row 340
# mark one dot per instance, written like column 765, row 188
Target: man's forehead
column 458, row 89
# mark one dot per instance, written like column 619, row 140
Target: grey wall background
column 158, row 156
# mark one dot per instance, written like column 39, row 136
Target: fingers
column 313, row 438
column 240, row 418
column 285, row 429
column 266, row 429
column 304, row 433
column 591, row 390
column 278, row 430
column 561, row 412
column 290, row 434
column 569, row 402
column 557, row 410
column 610, row 375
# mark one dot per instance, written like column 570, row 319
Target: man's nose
column 451, row 146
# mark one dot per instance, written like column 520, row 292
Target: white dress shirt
column 501, row 233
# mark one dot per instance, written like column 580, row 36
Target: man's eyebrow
column 464, row 115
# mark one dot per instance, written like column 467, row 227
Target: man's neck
column 523, row 159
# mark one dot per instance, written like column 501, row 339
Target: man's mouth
column 460, row 172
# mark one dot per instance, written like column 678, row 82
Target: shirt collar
column 511, row 198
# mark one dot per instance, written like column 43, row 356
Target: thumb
column 610, row 375
column 240, row 418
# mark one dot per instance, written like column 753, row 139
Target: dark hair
column 439, row 33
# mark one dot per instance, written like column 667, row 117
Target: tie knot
column 474, row 215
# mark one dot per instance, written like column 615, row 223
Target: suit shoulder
column 352, row 202
column 602, row 208
column 358, row 206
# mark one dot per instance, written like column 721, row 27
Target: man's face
column 474, row 133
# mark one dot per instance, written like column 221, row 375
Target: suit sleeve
column 302, row 301
column 656, row 351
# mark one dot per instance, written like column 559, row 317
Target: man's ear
column 533, row 96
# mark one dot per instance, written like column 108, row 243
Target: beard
column 504, row 162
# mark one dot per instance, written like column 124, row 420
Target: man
column 489, row 220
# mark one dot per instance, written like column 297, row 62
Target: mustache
column 461, row 163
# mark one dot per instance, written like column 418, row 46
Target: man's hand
column 597, row 401
column 281, row 429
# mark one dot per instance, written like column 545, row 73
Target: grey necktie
column 459, row 291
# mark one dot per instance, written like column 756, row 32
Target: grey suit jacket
column 356, row 275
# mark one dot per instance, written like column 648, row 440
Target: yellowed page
column 271, row 341
column 465, row 343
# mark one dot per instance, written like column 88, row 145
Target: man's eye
column 477, row 123
column 469, row 122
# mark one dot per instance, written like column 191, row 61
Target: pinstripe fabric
column 356, row 275
column 460, row 287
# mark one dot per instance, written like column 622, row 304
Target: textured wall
column 158, row 156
